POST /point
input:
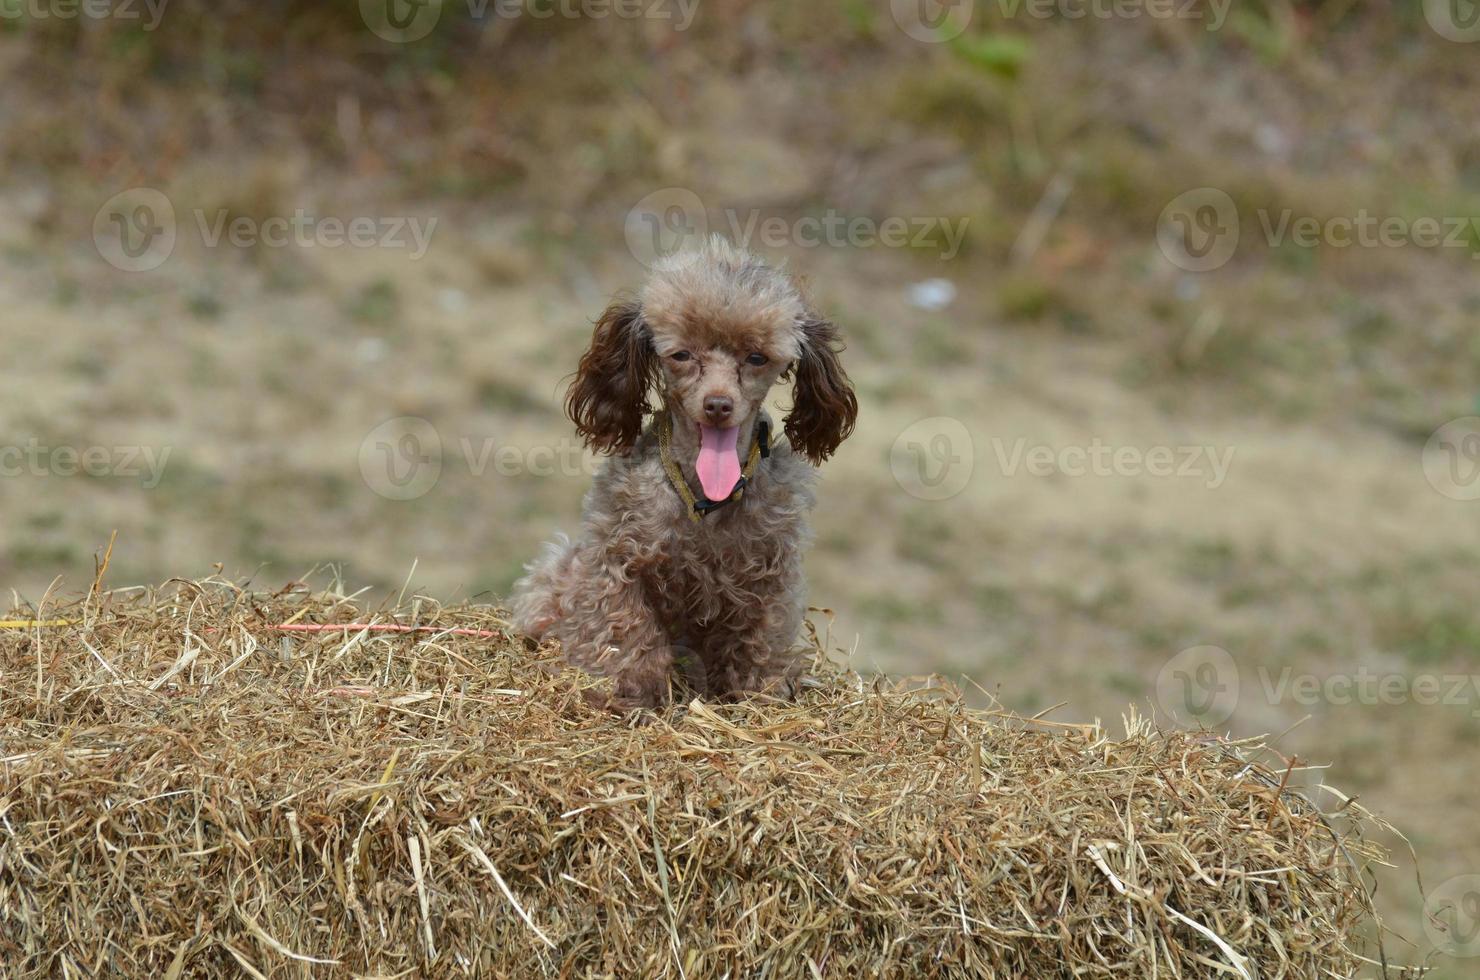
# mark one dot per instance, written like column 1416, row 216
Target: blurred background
column 1164, row 316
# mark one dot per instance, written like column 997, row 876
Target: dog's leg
column 535, row 599
column 751, row 652
column 639, row 661
column 605, row 625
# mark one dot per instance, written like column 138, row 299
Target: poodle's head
column 712, row 331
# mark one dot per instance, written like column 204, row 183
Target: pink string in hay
column 291, row 627
column 380, row 628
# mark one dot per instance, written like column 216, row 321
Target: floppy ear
column 824, row 407
column 608, row 399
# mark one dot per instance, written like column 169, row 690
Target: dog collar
column 701, row 507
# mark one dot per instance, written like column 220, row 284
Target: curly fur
column 643, row 586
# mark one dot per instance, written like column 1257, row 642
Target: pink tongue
column 718, row 464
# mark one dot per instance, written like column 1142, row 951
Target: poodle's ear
column 609, row 397
column 824, row 407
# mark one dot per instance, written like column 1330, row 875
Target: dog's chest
column 727, row 534
column 716, row 570
column 730, row 553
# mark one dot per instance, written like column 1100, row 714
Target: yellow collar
column 698, row 509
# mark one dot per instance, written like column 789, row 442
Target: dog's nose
column 718, row 409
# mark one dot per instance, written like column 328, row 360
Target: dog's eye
column 682, row 355
column 757, row 359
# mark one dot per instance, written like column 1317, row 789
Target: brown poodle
column 692, row 535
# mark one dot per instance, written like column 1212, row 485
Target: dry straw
column 187, row 792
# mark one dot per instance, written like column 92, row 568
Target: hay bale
column 188, row 792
